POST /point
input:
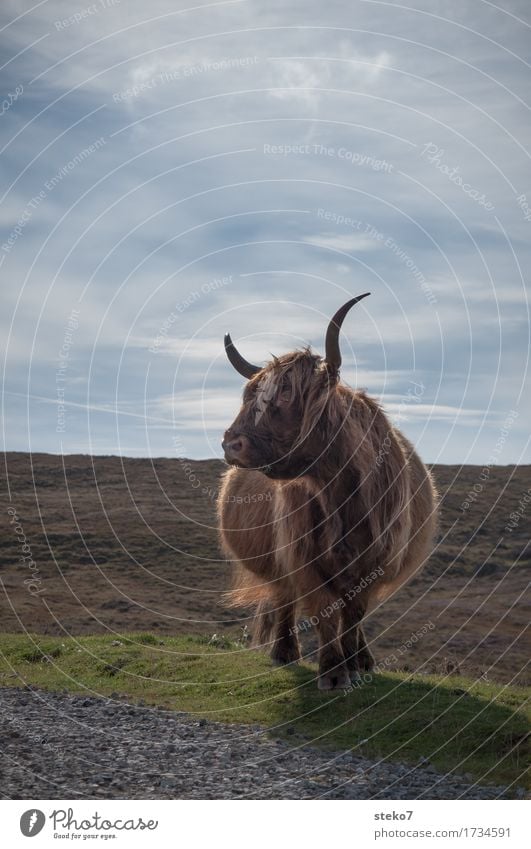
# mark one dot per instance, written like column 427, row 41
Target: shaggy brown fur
column 328, row 510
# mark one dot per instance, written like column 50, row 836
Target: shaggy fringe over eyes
column 304, row 374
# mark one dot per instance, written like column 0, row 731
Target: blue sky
column 174, row 170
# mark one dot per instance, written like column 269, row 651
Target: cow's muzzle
column 236, row 447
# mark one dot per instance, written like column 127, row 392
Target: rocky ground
column 59, row 746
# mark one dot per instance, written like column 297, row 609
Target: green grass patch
column 458, row 725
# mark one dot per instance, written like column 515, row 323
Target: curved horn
column 244, row 368
column 332, row 352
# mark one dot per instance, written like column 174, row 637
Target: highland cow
column 326, row 511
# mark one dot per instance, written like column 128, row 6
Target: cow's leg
column 333, row 671
column 357, row 654
column 274, row 625
column 350, row 641
column 365, row 656
column 286, row 647
column 263, row 625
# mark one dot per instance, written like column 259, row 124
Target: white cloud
column 348, row 242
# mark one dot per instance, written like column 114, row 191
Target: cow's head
column 283, row 428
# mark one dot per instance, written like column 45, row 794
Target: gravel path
column 58, row 746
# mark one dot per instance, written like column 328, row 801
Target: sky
column 174, row 170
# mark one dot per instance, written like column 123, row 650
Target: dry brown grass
column 130, row 545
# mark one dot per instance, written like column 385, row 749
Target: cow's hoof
column 355, row 678
column 336, row 679
column 284, row 660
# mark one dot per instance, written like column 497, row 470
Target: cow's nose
column 232, row 445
